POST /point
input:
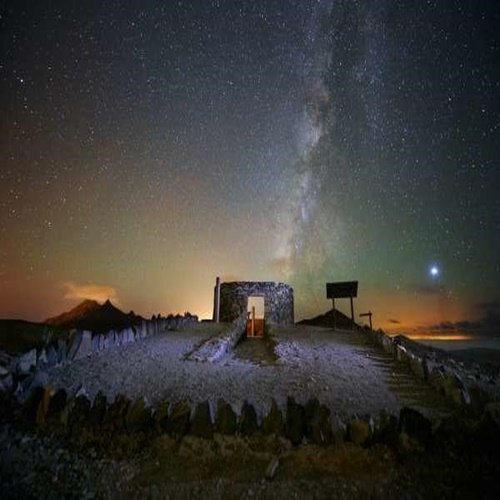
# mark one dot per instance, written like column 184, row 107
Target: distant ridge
column 341, row 320
column 90, row 315
column 70, row 319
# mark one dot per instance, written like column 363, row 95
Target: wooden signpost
column 342, row 290
column 369, row 314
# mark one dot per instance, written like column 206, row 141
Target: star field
column 147, row 148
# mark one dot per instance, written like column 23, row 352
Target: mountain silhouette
column 90, row 315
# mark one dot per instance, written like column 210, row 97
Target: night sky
column 148, row 147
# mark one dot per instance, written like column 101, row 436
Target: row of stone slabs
column 311, row 422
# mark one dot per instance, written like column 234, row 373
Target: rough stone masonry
column 278, row 300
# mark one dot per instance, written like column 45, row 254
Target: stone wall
column 278, row 300
column 26, row 372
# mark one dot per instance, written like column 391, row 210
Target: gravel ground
column 339, row 368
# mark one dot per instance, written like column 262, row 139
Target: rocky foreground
column 344, row 415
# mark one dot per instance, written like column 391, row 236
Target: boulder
column 43, row 406
column 95, row 343
column 248, row 420
column 455, row 389
column 419, row 367
column 273, row 421
column 75, row 340
column 61, row 351
column 30, row 384
column 385, row 428
column 415, row 430
column 41, row 359
column 401, row 353
column 51, row 353
column 359, row 431
column 295, row 423
column 161, row 418
column 81, row 345
column 75, row 415
column 201, row 425
column 98, row 410
column 436, row 378
column 114, row 420
column 225, row 422
column 178, row 423
column 109, row 340
column 339, row 429
column 318, row 425
column 27, row 361
column 6, row 382
column 143, row 329
column 388, row 345
column 31, row 404
column 138, row 417
column 57, row 404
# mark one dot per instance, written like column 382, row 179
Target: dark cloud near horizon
column 394, row 321
column 487, row 326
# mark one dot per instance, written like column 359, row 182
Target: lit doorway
column 255, row 321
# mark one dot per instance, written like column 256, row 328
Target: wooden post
column 253, row 321
column 352, row 314
column 217, row 300
column 334, row 315
column 369, row 314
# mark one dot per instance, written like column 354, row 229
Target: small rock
column 272, row 468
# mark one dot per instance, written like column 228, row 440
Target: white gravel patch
column 336, row 367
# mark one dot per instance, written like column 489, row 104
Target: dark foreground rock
column 38, row 465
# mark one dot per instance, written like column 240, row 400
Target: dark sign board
column 341, row 290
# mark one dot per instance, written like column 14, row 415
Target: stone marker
column 295, row 421
column 201, row 425
column 273, row 421
column 178, row 424
column 359, row 431
column 225, row 422
column 248, row 420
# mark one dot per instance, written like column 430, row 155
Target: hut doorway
column 255, row 312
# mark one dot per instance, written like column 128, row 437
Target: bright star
column 434, row 271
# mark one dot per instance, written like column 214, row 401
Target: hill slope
column 71, row 318
column 90, row 315
column 327, row 320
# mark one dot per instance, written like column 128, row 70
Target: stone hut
column 274, row 301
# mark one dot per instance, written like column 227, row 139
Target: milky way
column 146, row 149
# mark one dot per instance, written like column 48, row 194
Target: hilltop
column 330, row 319
column 90, row 315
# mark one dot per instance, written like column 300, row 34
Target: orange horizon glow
column 430, row 336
